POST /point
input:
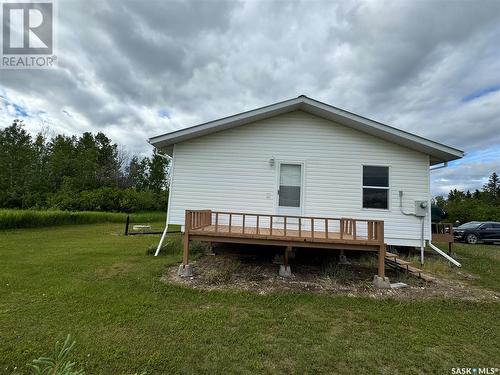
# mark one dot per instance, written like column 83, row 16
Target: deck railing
column 442, row 228
column 443, row 232
column 285, row 225
column 198, row 219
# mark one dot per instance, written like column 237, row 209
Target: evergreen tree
column 108, row 171
column 61, row 161
column 456, row 195
column 492, row 188
column 136, row 173
column 16, row 155
column 157, row 173
column 476, row 194
column 86, row 163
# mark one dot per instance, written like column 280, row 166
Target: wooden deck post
column 381, row 261
column 288, row 249
column 381, row 250
column 185, row 251
column 452, row 239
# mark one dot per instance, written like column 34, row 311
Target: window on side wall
column 375, row 187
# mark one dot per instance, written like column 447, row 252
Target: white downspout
column 431, row 245
column 422, row 241
column 164, row 234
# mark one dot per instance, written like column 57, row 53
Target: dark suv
column 475, row 231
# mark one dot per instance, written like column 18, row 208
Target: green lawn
column 481, row 264
column 485, row 265
column 98, row 285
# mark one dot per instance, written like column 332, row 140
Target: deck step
column 394, row 260
column 402, row 262
column 427, row 277
column 419, row 273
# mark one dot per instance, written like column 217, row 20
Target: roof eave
column 438, row 152
column 226, row 122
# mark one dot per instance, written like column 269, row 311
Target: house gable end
column 438, row 152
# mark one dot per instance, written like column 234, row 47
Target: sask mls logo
column 474, row 370
column 27, row 35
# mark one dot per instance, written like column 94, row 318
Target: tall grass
column 10, row 219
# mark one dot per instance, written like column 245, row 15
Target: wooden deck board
column 277, row 232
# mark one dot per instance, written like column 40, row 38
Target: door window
column 290, row 183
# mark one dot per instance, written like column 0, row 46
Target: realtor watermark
column 475, row 370
column 27, row 35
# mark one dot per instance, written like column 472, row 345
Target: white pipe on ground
column 164, row 234
column 442, row 253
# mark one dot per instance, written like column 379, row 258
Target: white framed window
column 376, row 187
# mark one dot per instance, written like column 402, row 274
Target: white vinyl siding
column 231, row 171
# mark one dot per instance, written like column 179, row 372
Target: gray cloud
column 409, row 64
column 471, row 176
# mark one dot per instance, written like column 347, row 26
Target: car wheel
column 472, row 239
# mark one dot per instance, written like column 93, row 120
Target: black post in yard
column 126, row 225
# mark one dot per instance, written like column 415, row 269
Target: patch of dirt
column 316, row 273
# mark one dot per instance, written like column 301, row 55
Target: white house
column 302, row 157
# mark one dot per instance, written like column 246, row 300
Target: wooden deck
column 286, row 231
column 443, row 232
column 305, row 237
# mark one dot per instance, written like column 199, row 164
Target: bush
column 10, row 219
column 472, row 210
column 108, row 199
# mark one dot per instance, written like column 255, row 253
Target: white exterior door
column 290, row 189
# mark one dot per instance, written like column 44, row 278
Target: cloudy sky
column 136, row 69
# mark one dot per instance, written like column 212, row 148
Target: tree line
column 480, row 205
column 88, row 172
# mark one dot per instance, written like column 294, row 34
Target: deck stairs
column 394, row 261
